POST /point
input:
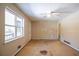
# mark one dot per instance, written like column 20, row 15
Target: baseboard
column 20, row 49
column 70, row 45
column 44, row 39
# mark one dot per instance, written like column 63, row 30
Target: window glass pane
column 19, row 31
column 9, row 18
column 9, row 32
column 19, row 22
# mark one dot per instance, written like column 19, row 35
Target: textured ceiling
column 40, row 10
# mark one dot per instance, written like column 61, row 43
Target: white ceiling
column 39, row 10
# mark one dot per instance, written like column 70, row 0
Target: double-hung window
column 14, row 26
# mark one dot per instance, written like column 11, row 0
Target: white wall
column 45, row 29
column 70, row 30
column 11, row 48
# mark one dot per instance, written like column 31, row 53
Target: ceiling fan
column 49, row 14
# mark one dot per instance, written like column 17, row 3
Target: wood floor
column 53, row 48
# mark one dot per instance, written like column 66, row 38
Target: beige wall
column 44, row 29
column 11, row 48
column 70, row 30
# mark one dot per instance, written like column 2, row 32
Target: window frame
column 15, row 19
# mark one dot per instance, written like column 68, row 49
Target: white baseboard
column 19, row 49
column 69, row 45
column 44, row 39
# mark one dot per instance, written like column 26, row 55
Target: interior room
column 39, row 29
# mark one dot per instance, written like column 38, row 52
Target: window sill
column 9, row 41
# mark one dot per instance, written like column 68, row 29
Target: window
column 14, row 26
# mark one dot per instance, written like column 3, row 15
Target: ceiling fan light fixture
column 48, row 15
